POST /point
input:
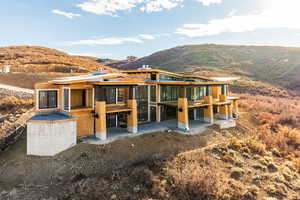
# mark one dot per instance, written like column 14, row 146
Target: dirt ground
column 95, row 171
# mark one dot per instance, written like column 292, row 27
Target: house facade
column 92, row 104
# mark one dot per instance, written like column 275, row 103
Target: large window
column 165, row 77
column 197, row 93
column 47, row 99
column 169, row 93
column 225, row 89
column 153, row 93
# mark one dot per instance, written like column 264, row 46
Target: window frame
column 63, row 93
column 38, row 98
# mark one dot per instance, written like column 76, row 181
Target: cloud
column 111, row 7
column 209, row 2
column 113, row 40
column 282, row 14
column 147, row 36
column 66, row 14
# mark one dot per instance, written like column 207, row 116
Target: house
column 5, row 69
column 90, row 105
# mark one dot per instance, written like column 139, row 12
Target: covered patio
column 116, row 133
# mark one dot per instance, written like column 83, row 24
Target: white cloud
column 66, row 14
column 282, row 14
column 111, row 7
column 147, row 36
column 113, row 40
column 159, row 5
column 209, row 2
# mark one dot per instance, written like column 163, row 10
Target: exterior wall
column 49, row 139
column 85, row 121
column 76, row 97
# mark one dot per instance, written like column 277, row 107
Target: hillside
column 42, row 59
column 272, row 64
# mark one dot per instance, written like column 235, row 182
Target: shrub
column 235, row 143
column 296, row 164
column 255, row 146
column 283, row 138
column 193, row 181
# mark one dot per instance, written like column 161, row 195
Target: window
column 225, row 89
column 165, row 77
column 47, row 99
column 153, row 93
column 111, row 96
column 169, row 93
column 89, row 98
column 67, row 99
column 121, row 94
column 196, row 93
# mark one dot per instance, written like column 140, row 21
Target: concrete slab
column 113, row 134
column 224, row 124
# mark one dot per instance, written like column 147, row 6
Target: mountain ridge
column 273, row 64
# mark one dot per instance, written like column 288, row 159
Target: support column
column 230, row 116
column 208, row 112
column 101, row 131
column 132, row 122
column 223, row 109
column 235, row 106
column 183, row 114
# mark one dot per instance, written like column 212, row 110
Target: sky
column 118, row 28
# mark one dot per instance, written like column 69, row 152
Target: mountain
column 276, row 65
column 42, row 59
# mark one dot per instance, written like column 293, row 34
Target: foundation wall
column 49, row 139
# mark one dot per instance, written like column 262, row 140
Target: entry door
column 142, row 98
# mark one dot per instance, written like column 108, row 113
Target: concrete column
column 183, row 114
column 208, row 112
column 101, row 131
column 132, row 122
column 223, row 109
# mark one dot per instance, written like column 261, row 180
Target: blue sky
column 118, row 28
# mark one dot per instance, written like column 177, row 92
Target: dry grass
column 199, row 176
column 279, row 120
column 273, row 111
column 12, row 103
column 42, row 59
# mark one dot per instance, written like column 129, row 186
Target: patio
column 116, row 133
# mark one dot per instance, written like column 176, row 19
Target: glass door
column 142, row 99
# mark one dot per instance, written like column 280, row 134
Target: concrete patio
column 196, row 127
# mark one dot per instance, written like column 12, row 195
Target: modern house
column 90, row 105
